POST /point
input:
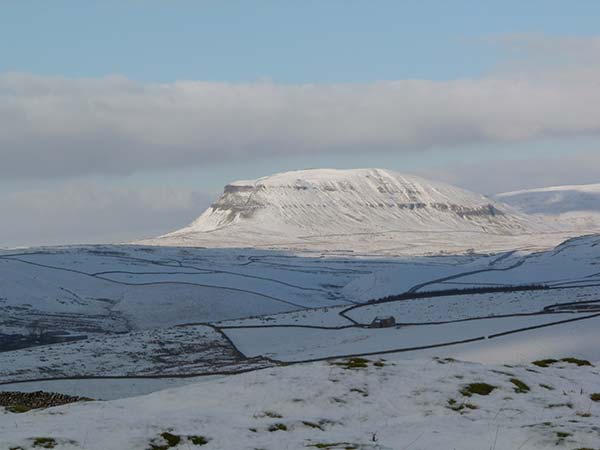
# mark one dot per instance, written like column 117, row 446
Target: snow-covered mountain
column 578, row 206
column 365, row 209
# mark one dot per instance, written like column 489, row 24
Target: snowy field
column 390, row 405
column 161, row 352
column 299, row 344
column 470, row 306
column 106, row 388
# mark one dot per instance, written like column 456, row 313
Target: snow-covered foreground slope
column 577, row 206
column 360, row 210
column 386, row 405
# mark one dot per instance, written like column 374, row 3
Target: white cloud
column 57, row 127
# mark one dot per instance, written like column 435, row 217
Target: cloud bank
column 81, row 212
column 57, row 131
column 60, row 127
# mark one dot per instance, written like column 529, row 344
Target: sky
column 125, row 119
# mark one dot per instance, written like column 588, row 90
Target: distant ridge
column 576, row 206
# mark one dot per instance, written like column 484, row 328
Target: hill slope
column 578, row 206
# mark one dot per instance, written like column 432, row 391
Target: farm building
column 383, row 322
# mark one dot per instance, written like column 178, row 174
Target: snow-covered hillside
column 578, row 206
column 369, row 210
column 360, row 405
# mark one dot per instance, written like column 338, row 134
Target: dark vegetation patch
column 477, row 388
column 335, row 445
column 578, row 362
column 360, row 391
column 172, row 439
column 520, row 387
column 561, row 436
column 44, row 442
column 198, row 440
column 271, row 414
column 544, row 362
column 444, row 360
column 17, row 409
column 278, row 427
column 560, row 405
column 548, row 362
column 19, row 402
column 353, row 363
column 167, row 440
column 595, row 397
column 308, row 424
column 460, row 407
column 11, row 342
column 358, row 363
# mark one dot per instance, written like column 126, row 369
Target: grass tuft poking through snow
column 335, row 445
column 578, row 362
column 44, row 442
column 353, row 363
column 545, row 363
column 278, row 427
column 520, row 386
column 477, row 388
column 358, row 363
column 17, row 409
column 460, row 407
column 198, row 440
column 169, row 440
